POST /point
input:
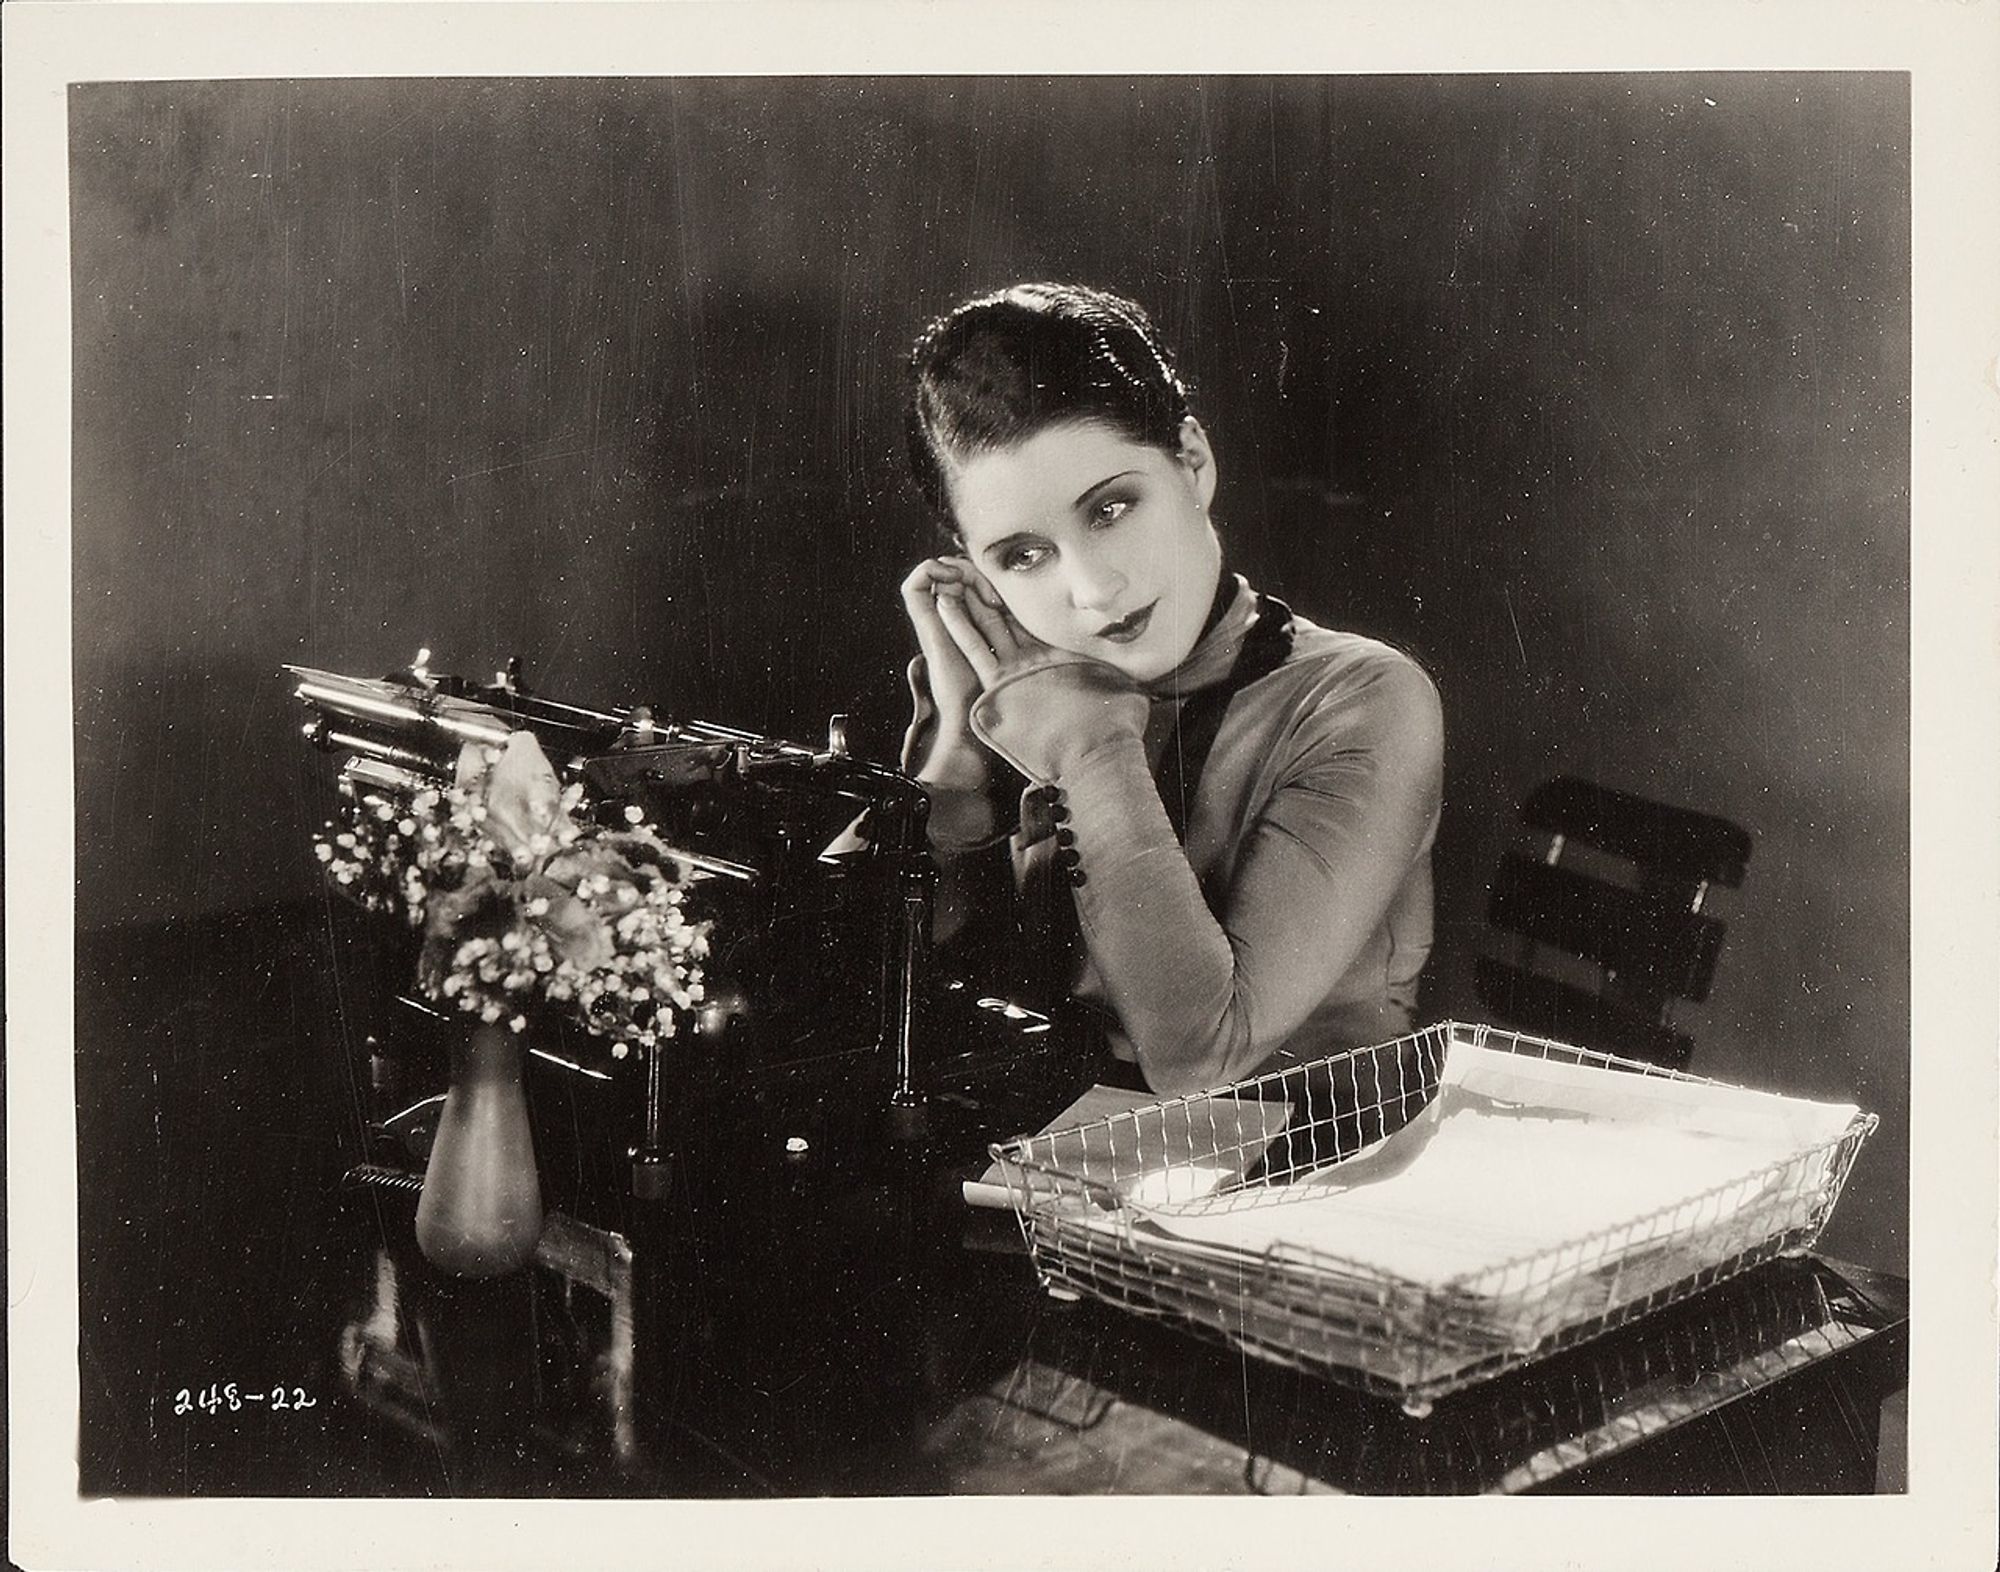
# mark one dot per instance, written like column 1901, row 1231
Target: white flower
column 634, row 814
column 518, row 1024
column 323, row 851
column 619, row 1050
column 489, row 1012
column 539, row 906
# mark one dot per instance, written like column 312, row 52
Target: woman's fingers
column 922, row 608
column 972, row 643
column 947, row 572
column 952, row 679
column 995, row 627
column 938, row 579
column 924, row 577
column 977, row 582
column 945, row 576
column 963, row 623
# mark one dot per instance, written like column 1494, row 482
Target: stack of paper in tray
column 1528, row 1194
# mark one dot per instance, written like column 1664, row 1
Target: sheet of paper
column 1176, row 1152
column 1097, row 1102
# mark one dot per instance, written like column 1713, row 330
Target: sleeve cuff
column 1042, row 719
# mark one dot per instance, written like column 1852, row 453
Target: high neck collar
column 1214, row 655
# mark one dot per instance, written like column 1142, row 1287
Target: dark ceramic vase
column 481, row 1211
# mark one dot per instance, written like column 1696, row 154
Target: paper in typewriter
column 1518, row 1155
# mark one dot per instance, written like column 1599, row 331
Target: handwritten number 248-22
column 213, row 1398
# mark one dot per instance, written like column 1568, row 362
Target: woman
column 1230, row 808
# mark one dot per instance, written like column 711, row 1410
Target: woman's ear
column 1199, row 458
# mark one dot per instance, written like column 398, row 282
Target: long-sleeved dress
column 1295, row 920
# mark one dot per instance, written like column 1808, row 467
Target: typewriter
column 825, row 1015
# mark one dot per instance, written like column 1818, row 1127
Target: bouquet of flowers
column 520, row 903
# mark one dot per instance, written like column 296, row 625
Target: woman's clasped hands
column 973, row 646
column 969, row 638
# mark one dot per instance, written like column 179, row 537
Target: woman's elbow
column 1179, row 1061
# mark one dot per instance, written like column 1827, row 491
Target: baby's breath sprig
column 520, row 904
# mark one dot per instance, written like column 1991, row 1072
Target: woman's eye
column 1110, row 511
column 1020, row 558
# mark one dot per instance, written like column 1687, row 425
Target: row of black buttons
column 1049, row 799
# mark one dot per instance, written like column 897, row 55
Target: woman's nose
column 1095, row 582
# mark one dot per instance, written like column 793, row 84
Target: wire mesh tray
column 1297, row 1215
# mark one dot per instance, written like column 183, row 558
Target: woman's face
column 1098, row 544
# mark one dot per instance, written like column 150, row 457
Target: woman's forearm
column 962, row 813
column 1207, row 995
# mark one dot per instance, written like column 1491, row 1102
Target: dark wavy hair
column 999, row 368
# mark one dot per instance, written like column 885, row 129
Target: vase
column 481, row 1211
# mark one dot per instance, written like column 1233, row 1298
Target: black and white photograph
column 986, row 792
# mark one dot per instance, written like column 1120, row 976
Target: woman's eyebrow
column 1093, row 489
column 993, row 546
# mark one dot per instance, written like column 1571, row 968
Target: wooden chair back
column 1599, row 928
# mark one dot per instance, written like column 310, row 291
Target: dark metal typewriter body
column 827, row 1034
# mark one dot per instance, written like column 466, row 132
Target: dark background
column 1590, row 390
